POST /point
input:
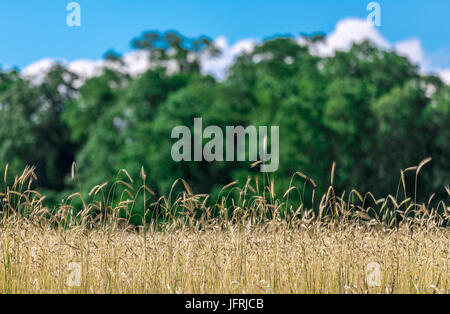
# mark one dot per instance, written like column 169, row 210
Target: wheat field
column 340, row 248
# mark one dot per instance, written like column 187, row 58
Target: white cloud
column 219, row 65
column 37, row 71
column 411, row 48
column 444, row 75
column 135, row 63
column 349, row 31
column 353, row 30
column 346, row 32
column 85, row 68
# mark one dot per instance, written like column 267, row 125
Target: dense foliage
column 367, row 109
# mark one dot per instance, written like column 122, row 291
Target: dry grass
column 237, row 260
column 263, row 246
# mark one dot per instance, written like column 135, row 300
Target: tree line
column 369, row 110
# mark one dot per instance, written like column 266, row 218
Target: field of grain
column 249, row 252
column 274, row 259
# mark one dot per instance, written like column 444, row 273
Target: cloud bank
column 346, row 32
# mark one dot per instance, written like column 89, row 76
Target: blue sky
column 31, row 30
